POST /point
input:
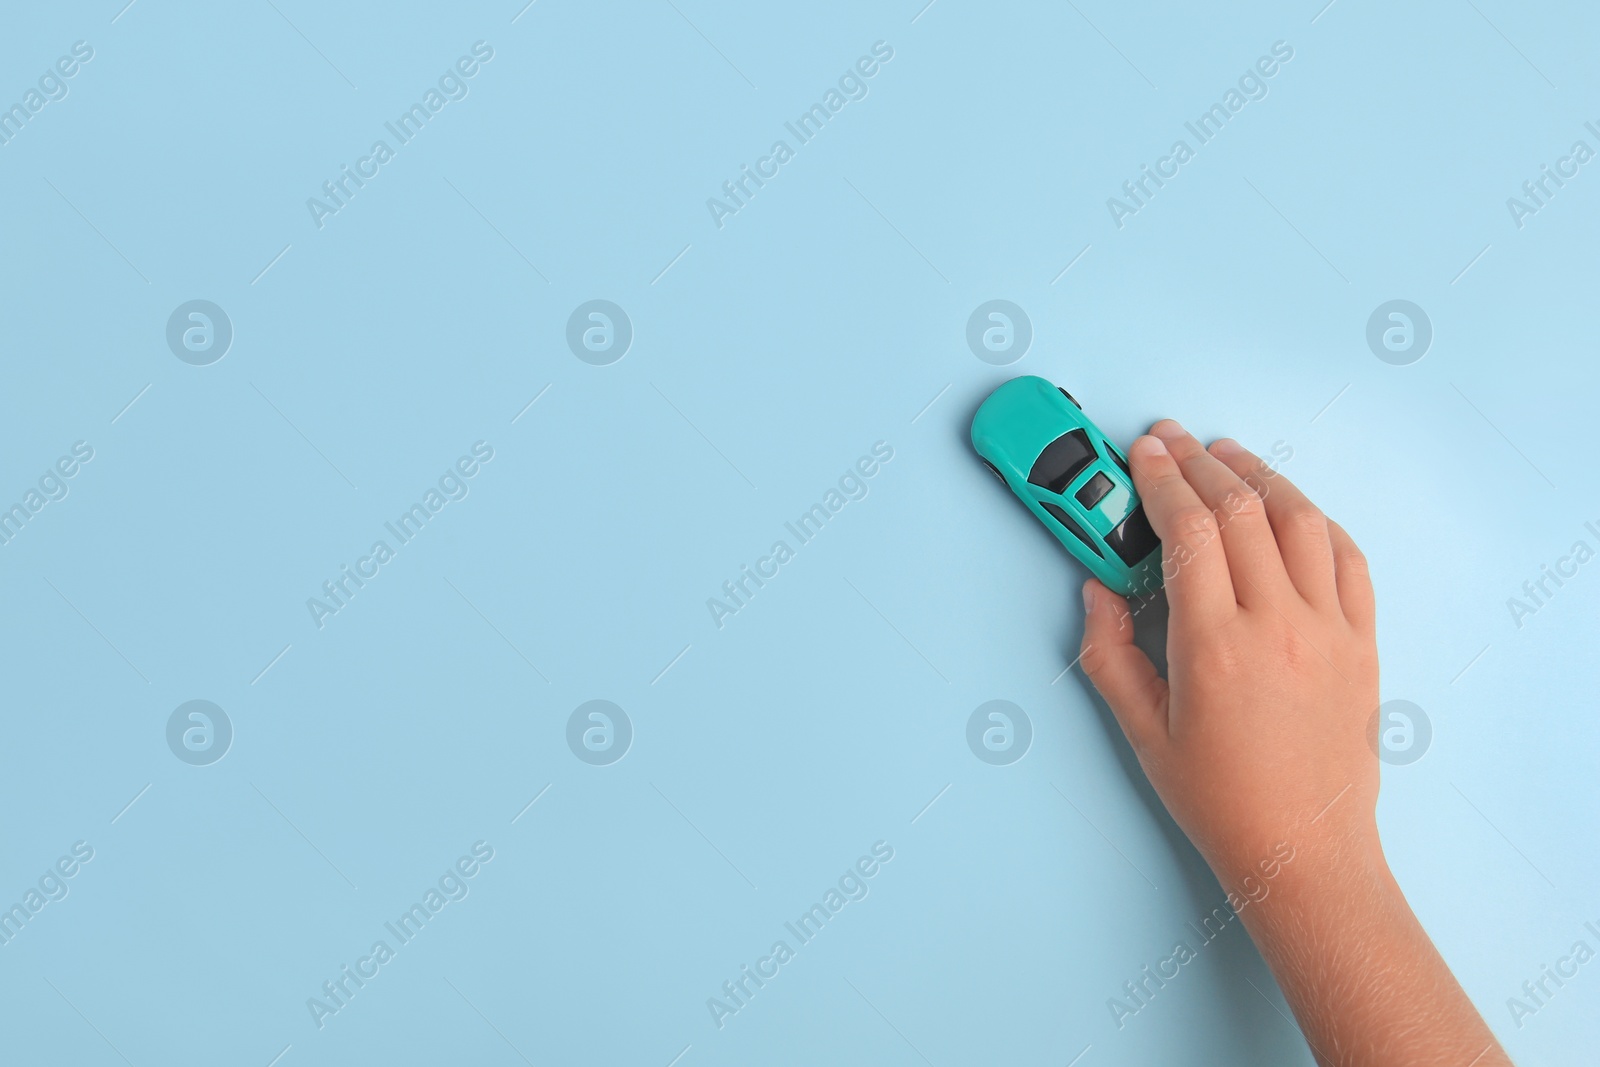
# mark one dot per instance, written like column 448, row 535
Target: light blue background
column 822, row 318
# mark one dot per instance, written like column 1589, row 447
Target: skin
column 1261, row 741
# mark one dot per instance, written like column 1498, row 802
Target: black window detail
column 1134, row 539
column 1116, row 458
column 1061, row 461
column 1094, row 490
column 1077, row 531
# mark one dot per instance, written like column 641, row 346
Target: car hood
column 1017, row 420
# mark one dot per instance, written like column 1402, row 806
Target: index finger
column 1193, row 566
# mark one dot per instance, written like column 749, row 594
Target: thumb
column 1121, row 671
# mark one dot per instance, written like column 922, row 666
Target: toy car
column 1035, row 438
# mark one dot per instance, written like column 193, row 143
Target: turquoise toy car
column 1036, row 439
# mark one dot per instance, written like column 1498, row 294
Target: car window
column 1077, row 531
column 1133, row 540
column 1061, row 461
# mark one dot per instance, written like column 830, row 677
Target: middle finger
column 1253, row 558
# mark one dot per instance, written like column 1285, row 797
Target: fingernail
column 1149, row 445
column 1088, row 597
column 1227, row 446
column 1167, row 428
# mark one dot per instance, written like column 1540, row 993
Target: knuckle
column 1162, row 474
column 1227, row 656
column 1305, row 520
column 1246, row 503
column 1185, row 448
column 1260, row 478
column 1353, row 561
column 1093, row 658
column 1292, row 649
column 1193, row 525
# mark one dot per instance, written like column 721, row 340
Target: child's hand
column 1260, row 736
column 1260, row 742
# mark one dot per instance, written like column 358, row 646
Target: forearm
column 1365, row 982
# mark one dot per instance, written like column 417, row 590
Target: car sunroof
column 1094, row 490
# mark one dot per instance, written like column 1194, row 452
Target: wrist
column 1306, row 870
column 1365, row 982
column 1330, row 883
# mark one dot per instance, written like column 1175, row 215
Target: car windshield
column 1061, row 461
column 1133, row 540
